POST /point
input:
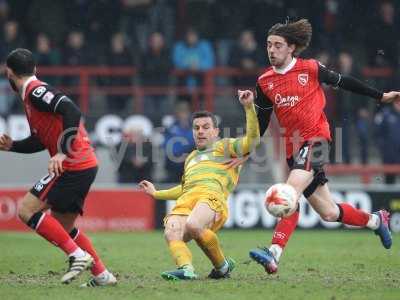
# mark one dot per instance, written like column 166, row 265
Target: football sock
column 82, row 240
column 50, row 229
column 373, row 222
column 180, row 253
column 224, row 268
column 352, row 216
column 77, row 253
column 208, row 242
column 276, row 251
column 284, row 229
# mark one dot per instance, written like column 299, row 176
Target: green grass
column 316, row 265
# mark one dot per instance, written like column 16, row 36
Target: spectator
column 97, row 19
column 45, row 54
column 388, row 123
column 119, row 56
column 382, row 50
column 46, row 16
column 4, row 12
column 7, row 95
column 248, row 57
column 12, row 38
column 193, row 54
column 155, row 71
column 76, row 52
column 135, row 20
column 351, row 112
column 178, row 142
column 162, row 19
column 136, row 164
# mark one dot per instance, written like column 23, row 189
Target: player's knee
column 193, row 229
column 330, row 215
column 173, row 232
column 25, row 212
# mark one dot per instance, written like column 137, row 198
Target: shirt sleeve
column 347, row 83
column 264, row 108
column 30, row 144
column 170, row 194
column 46, row 98
column 244, row 145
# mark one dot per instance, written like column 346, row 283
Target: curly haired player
column 292, row 89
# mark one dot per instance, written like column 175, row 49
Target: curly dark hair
column 295, row 33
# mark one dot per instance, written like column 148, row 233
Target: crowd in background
column 158, row 36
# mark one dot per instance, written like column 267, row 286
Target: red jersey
column 297, row 98
column 40, row 103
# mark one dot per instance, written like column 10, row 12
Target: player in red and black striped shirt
column 292, row 89
column 55, row 124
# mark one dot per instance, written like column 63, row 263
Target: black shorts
column 66, row 193
column 312, row 156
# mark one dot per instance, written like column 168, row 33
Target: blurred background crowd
column 171, row 44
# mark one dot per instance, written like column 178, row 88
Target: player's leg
column 31, row 213
column 201, row 225
column 305, row 180
column 101, row 276
column 68, row 198
column 174, row 233
column 322, row 202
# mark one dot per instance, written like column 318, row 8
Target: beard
column 13, row 85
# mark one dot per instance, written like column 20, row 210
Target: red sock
column 284, row 229
column 84, row 242
column 49, row 228
column 352, row 216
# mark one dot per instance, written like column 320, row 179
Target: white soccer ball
column 281, row 200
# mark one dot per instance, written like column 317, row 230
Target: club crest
column 302, row 78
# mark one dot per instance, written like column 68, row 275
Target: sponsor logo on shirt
column 39, row 91
column 48, row 97
column 38, row 187
column 286, row 101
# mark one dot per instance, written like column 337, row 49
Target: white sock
column 188, row 267
column 276, row 251
column 78, row 253
column 103, row 275
column 224, row 268
column 373, row 222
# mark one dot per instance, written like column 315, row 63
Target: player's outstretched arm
column 355, row 85
column 252, row 138
column 170, row 194
column 28, row 145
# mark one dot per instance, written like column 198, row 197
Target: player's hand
column 148, row 187
column 237, row 161
column 5, row 142
column 55, row 164
column 246, row 97
column 390, row 97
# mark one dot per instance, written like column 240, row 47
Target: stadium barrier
column 105, row 210
column 130, row 210
column 207, row 89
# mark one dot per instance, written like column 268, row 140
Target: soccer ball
column 281, row 200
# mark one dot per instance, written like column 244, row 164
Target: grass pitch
column 316, row 265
